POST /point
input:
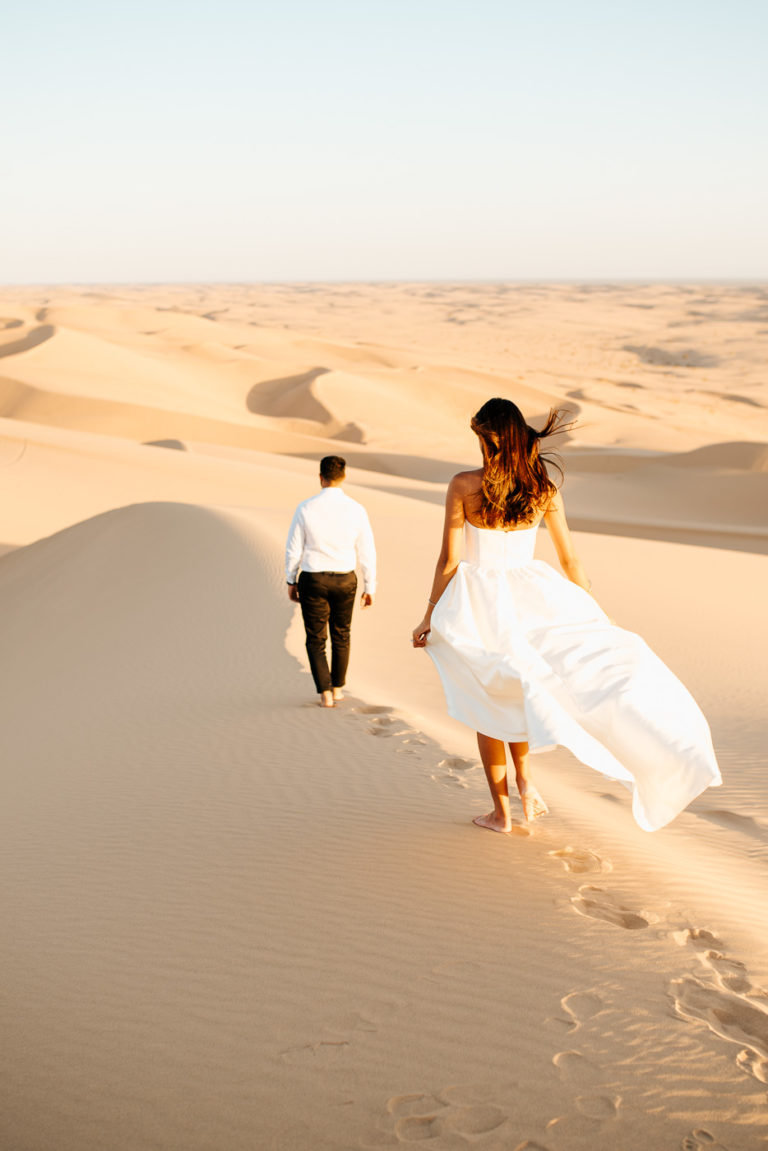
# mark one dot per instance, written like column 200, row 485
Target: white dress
column 526, row 655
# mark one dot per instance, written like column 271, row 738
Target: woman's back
column 493, row 548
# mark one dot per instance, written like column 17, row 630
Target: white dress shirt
column 330, row 532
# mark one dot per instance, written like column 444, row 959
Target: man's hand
column 366, row 599
column 293, row 592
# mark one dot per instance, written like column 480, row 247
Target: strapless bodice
column 489, row 548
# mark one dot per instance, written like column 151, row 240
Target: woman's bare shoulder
column 468, row 481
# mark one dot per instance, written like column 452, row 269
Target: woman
column 528, row 659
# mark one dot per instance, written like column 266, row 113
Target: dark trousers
column 327, row 599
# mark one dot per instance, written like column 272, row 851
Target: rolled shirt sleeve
column 366, row 554
column 294, row 547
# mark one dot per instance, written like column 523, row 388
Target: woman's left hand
column 421, row 632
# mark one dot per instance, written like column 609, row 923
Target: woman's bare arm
column 450, row 553
column 557, row 526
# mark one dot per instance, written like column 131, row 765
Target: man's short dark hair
column 333, row 468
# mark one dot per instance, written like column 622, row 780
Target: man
column 329, row 534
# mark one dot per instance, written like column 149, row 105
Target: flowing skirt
column 526, row 655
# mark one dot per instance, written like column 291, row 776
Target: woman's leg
column 494, row 757
column 533, row 804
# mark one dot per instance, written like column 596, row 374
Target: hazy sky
column 384, row 139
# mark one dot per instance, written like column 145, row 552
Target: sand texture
column 233, row 921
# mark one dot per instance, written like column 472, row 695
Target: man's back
column 331, row 532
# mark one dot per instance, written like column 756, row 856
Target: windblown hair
column 333, row 468
column 515, row 486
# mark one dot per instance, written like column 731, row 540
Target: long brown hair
column 516, row 486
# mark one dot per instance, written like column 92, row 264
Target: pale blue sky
column 167, row 141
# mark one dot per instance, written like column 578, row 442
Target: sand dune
column 235, row 921
column 32, row 339
column 739, row 457
column 157, row 368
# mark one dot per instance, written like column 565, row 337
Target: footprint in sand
column 374, row 710
column 579, row 1072
column 697, row 937
column 581, row 1005
column 579, row 860
column 731, row 1016
column 701, row 1140
column 530, row 1145
column 418, row 1116
column 411, row 745
column 596, row 903
column 576, row 1069
column 468, row 1094
column 418, row 1127
column 751, row 1063
column 730, row 973
column 423, row 1116
column 456, row 763
column 418, row 1105
column 455, row 769
column 387, row 725
column 476, row 1121
column 598, row 1106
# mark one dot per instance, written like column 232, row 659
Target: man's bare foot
column 326, row 699
column 533, row 805
column 494, row 822
column 338, row 695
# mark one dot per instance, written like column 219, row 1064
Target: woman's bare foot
column 494, row 822
column 533, row 805
column 326, row 699
column 338, row 695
